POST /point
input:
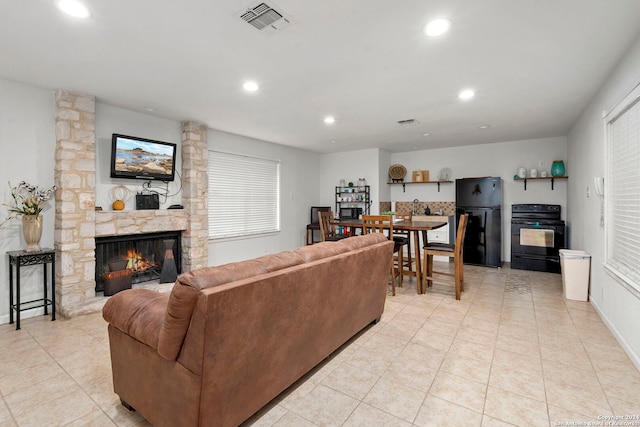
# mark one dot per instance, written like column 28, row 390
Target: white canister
column 533, row 173
column 522, row 172
column 543, row 174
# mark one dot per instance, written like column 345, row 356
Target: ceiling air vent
column 264, row 17
column 407, row 122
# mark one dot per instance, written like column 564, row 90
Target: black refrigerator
column 481, row 198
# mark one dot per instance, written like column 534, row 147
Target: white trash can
column 575, row 266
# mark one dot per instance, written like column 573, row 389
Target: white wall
column 110, row 120
column 27, row 140
column 619, row 308
column 384, row 160
column 499, row 159
column 299, row 183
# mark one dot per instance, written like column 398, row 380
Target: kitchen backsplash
column 448, row 208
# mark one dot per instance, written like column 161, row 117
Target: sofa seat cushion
column 141, row 317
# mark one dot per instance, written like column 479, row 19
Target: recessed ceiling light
column 250, row 86
column 333, row 141
column 426, row 134
column 466, row 94
column 329, row 120
column 151, row 110
column 73, row 8
column 437, row 27
column 484, row 126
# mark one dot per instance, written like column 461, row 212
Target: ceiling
column 533, row 64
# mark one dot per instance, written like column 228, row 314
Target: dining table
column 415, row 227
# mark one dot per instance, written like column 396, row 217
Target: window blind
column 243, row 195
column 623, row 191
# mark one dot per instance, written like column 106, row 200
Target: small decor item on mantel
column 557, row 168
column 119, row 196
column 29, row 201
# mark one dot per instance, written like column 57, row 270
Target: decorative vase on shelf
column 557, row 168
column 32, row 231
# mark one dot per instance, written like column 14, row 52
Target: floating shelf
column 546, row 178
column 424, row 182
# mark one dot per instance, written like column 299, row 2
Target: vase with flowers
column 29, row 201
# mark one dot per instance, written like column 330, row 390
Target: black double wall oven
column 537, row 235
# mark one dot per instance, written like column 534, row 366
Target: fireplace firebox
column 125, row 260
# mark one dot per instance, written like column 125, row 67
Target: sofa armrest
column 138, row 313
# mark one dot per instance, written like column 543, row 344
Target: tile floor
column 511, row 352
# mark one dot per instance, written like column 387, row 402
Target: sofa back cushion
column 186, row 289
column 185, row 292
column 321, row 250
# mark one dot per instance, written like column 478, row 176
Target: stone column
column 75, row 176
column 195, row 187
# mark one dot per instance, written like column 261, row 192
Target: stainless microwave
column 350, row 213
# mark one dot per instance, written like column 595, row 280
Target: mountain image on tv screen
column 143, row 157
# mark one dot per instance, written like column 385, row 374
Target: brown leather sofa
column 229, row 339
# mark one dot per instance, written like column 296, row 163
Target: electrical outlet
column 541, row 163
column 588, row 191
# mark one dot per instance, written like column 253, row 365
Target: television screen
column 133, row 157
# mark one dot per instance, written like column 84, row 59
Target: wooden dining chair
column 315, row 222
column 328, row 228
column 404, row 238
column 449, row 250
column 384, row 224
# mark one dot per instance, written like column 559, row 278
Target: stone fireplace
column 78, row 224
column 145, row 256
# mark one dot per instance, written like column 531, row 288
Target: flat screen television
column 141, row 158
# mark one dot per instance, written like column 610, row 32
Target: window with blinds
column 623, row 191
column 244, row 198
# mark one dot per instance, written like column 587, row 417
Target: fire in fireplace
column 137, row 262
column 125, row 260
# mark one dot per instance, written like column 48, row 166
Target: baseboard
column 38, row 311
column 635, row 358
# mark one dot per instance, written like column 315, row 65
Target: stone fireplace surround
column 77, row 223
column 164, row 224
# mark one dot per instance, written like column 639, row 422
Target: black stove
column 537, row 235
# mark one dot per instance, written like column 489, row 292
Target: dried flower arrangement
column 28, row 200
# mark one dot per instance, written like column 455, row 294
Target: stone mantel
column 122, row 223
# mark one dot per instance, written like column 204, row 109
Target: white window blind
column 243, row 195
column 623, row 191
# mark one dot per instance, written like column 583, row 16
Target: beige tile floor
column 511, row 352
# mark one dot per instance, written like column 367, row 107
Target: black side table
column 23, row 258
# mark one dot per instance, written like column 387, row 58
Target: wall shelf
column 546, row 178
column 424, row 182
column 353, row 197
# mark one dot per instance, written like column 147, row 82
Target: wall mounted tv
column 140, row 158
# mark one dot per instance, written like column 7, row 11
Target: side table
column 23, row 258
